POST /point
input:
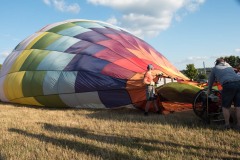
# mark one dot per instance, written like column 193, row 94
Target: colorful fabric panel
column 80, row 63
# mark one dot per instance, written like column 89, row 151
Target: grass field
column 38, row 133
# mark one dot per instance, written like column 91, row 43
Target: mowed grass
column 41, row 133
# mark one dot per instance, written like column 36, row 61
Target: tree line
column 192, row 73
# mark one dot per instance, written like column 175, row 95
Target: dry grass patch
column 38, row 133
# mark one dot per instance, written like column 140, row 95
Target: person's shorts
column 231, row 93
column 150, row 93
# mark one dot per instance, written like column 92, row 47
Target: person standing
column 149, row 80
column 230, row 81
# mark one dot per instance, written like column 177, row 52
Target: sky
column 184, row 31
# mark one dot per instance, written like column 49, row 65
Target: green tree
column 191, row 72
column 234, row 61
column 202, row 76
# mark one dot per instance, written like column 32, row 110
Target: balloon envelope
column 80, row 63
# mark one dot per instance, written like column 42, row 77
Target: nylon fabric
column 55, row 61
column 50, row 82
column 66, row 82
column 62, row 44
column 35, row 40
column 45, row 41
column 51, row 101
column 33, row 60
column 16, row 66
column 13, row 85
column 81, row 63
column 28, row 101
column 73, row 31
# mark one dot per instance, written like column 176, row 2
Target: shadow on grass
column 77, row 146
column 2, row 157
column 141, row 144
column 133, row 142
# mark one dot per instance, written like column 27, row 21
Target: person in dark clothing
column 230, row 81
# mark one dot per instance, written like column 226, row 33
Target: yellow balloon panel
column 13, row 85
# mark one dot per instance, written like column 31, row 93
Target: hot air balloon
column 81, row 63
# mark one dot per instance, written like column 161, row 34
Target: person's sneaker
column 237, row 128
column 224, row 127
column 227, row 127
column 145, row 113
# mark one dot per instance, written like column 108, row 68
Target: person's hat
column 150, row 66
column 219, row 60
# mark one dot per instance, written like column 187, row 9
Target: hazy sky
column 184, row 31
